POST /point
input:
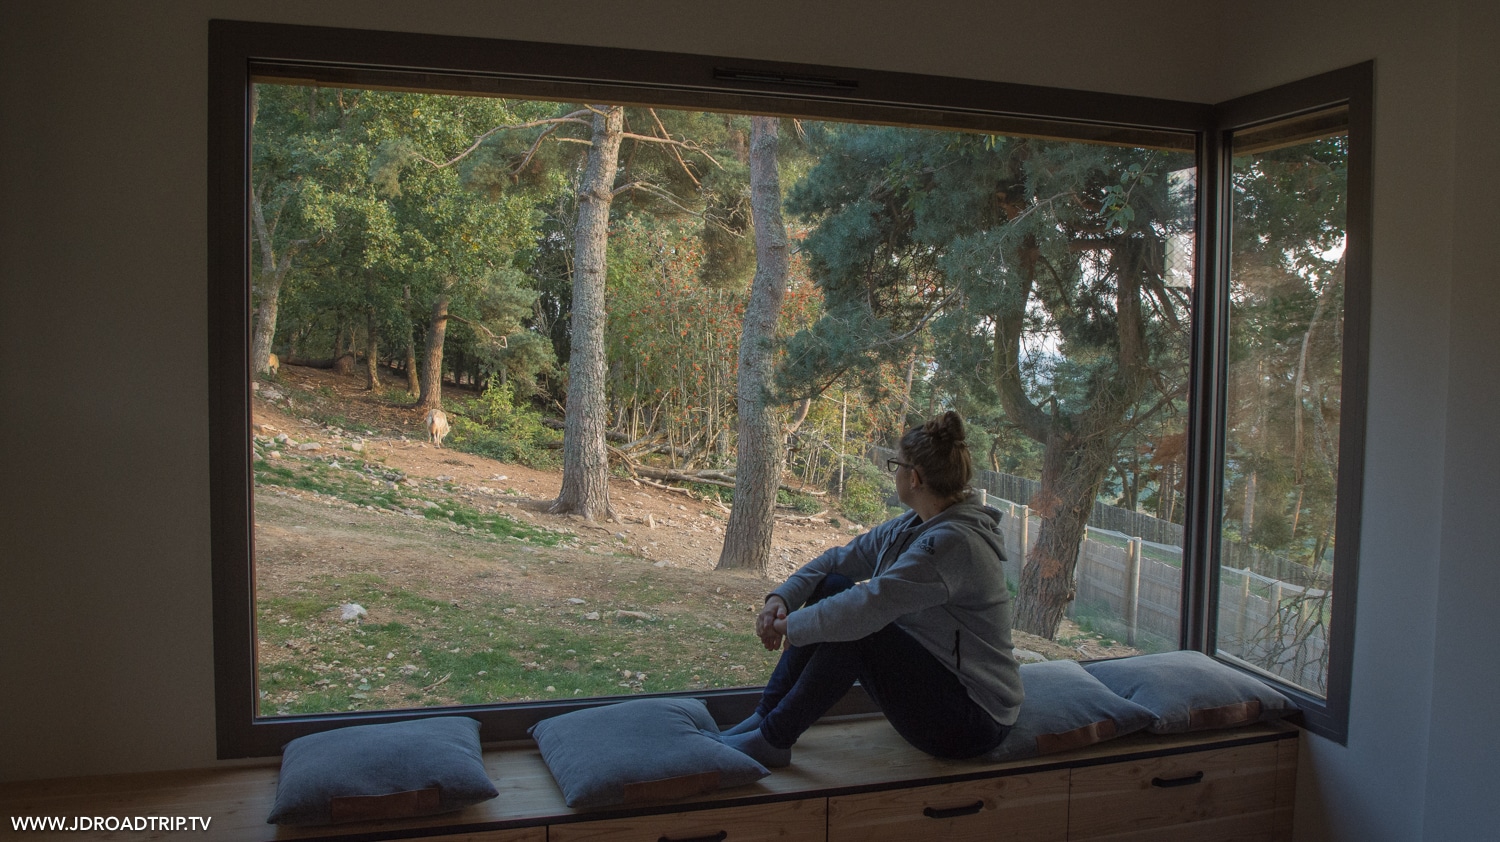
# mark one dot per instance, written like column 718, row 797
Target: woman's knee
column 948, row 740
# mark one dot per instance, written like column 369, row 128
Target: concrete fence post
column 1275, row 622
column 1132, row 589
column 1025, row 531
column 1241, row 623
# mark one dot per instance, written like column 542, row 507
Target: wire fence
column 1132, row 589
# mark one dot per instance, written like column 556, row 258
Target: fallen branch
column 814, row 518
column 678, row 476
column 665, row 487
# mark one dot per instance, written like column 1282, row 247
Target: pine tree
column 1039, row 269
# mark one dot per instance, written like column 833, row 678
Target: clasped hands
column 770, row 623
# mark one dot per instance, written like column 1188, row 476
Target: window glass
column 405, row 243
column 1286, row 340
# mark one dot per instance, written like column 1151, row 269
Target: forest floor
column 471, row 590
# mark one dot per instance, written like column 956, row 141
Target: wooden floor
column 843, row 757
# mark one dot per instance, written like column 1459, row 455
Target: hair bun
column 937, row 448
column 947, row 428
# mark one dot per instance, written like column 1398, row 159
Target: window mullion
column 1206, row 406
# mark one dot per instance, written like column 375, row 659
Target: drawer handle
column 717, row 837
column 953, row 812
column 1187, row 780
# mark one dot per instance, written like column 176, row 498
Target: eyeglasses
column 894, row 465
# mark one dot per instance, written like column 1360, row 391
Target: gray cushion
column 1189, row 691
column 369, row 772
column 1066, row 708
column 640, row 750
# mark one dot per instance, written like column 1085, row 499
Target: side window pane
column 1286, row 315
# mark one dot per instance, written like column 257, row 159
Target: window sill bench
column 851, row 781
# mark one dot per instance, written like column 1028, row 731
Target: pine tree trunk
column 585, row 481
column 263, row 332
column 1072, row 471
column 413, row 383
column 372, row 340
column 265, row 320
column 273, row 272
column 761, row 448
column 911, row 373
column 1079, row 446
column 431, row 396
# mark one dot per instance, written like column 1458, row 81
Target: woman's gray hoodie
column 941, row 581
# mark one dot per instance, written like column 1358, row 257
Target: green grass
column 1098, row 624
column 497, row 525
column 364, row 483
column 414, row 650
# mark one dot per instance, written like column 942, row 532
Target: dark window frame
column 1353, row 89
column 241, row 53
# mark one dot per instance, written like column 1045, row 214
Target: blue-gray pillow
column 1189, row 691
column 640, row 750
column 1066, row 708
column 371, row 772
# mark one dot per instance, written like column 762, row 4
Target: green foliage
column 916, row 228
column 801, row 503
column 384, row 229
column 866, row 490
column 499, row 426
column 676, row 354
column 1285, row 348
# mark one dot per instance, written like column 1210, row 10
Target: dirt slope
column 298, row 534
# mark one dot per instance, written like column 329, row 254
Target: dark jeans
column 924, row 701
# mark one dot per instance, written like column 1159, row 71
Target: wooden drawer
column 523, row 834
column 1019, row 808
column 790, row 821
column 1224, row 794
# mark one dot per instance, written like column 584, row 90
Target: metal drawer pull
column 953, row 812
column 717, row 837
column 1189, row 780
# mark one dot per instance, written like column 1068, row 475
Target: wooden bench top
column 854, row 755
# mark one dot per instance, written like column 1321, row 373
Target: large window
column 1144, row 309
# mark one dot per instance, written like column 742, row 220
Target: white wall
column 1419, row 762
column 105, row 633
column 1464, row 760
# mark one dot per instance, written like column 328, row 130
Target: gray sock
column 751, row 723
column 754, row 744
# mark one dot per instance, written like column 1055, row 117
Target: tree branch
column 658, row 192
column 682, row 144
column 1008, row 329
column 550, row 121
column 675, row 151
column 477, row 326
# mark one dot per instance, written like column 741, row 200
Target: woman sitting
column 916, row 609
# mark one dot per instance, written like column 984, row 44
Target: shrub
column 867, row 489
column 805, row 504
column 497, row 426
